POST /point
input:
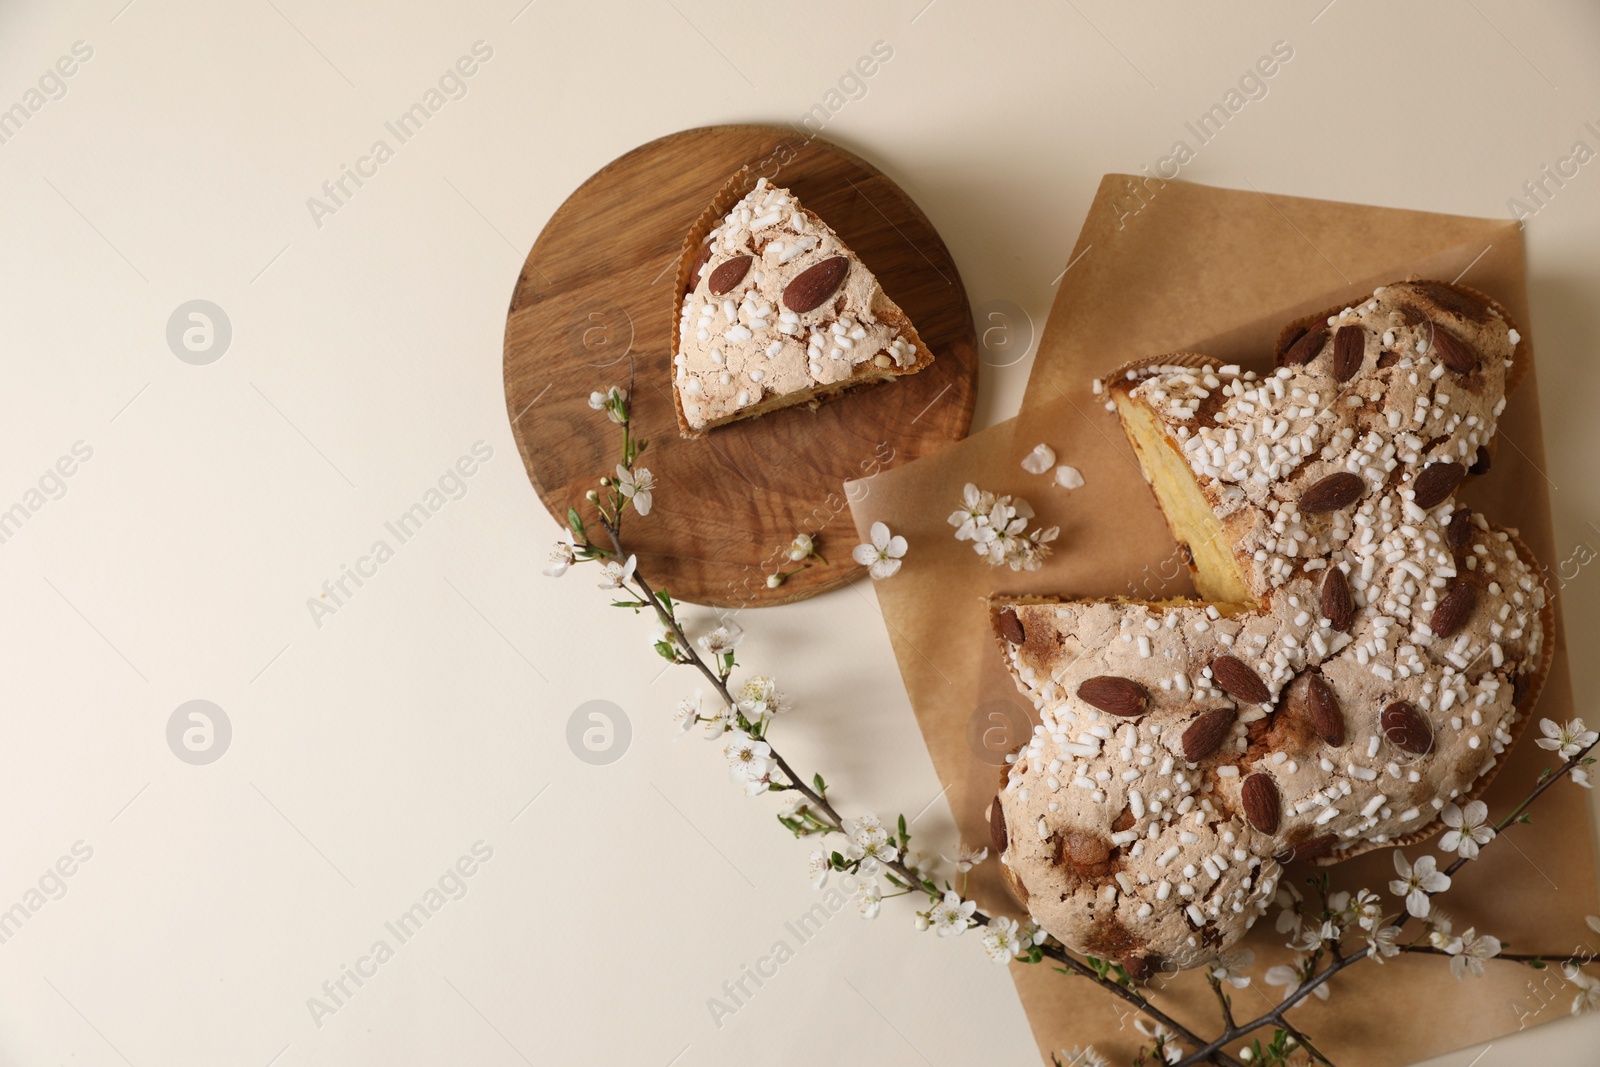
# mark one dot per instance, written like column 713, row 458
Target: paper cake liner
column 884, row 309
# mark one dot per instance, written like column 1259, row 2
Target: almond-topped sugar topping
column 1338, row 607
column 1239, row 681
column 1436, row 482
column 1115, row 696
column 1207, row 733
column 1332, row 493
column 1454, row 609
column 1453, row 352
column 1322, row 707
column 1307, row 346
column 1349, row 346
column 729, row 274
column 1406, row 729
column 812, row 286
column 1262, row 805
column 1011, row 626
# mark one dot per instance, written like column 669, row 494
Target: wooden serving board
column 594, row 306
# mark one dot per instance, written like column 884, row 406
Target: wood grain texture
column 594, row 304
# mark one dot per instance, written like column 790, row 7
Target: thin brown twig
column 689, row 657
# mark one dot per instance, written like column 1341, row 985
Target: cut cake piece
column 777, row 311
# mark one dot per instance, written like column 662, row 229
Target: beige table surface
column 376, row 742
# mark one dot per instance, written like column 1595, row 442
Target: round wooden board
column 594, row 303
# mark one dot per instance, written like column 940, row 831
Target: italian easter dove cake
column 1362, row 654
column 777, row 311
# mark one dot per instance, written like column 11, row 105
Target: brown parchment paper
column 1220, row 272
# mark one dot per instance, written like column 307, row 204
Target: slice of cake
column 776, row 311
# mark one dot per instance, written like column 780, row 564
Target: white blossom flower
column 1290, row 975
column 1314, row 935
column 1289, row 901
column 561, row 557
column 1032, row 934
column 749, row 761
column 1593, row 921
column 1005, row 523
column 636, row 485
column 617, row 573
column 998, row 530
column 817, row 867
column 1439, row 935
column 1171, row 1051
column 869, row 895
column 720, row 721
column 1229, row 967
column 801, row 547
column 1080, row 1057
column 1568, row 740
column 974, row 512
column 1416, row 882
column 1588, row 998
column 761, row 696
column 602, row 401
column 687, row 712
column 1469, row 952
column 916, row 862
column 1468, row 829
column 869, row 843
column 1369, row 910
column 1580, row 776
column 967, row 857
column 724, row 639
column 882, row 556
column 951, row 916
column 1001, row 940
column 1383, row 943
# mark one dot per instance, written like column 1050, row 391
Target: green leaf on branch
column 665, row 650
column 575, row 521
column 904, row 837
column 819, row 784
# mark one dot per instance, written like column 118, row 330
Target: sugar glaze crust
column 1120, row 844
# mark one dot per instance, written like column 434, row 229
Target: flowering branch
column 997, row 527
